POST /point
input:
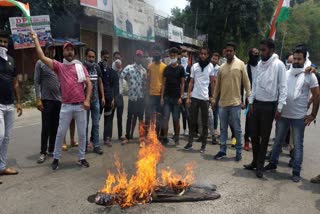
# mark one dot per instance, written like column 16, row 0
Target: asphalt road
column 38, row 189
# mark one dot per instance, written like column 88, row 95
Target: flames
column 140, row 187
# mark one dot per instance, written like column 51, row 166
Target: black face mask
column 157, row 58
column 296, row 65
column 254, row 60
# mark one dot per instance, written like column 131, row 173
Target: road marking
column 28, row 125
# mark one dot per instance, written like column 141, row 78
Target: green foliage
column 302, row 28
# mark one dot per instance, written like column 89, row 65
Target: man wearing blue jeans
column 294, row 114
column 9, row 86
column 231, row 76
column 73, row 78
column 171, row 95
column 97, row 86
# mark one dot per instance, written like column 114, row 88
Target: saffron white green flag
column 280, row 15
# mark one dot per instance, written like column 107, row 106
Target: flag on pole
column 23, row 7
column 280, row 15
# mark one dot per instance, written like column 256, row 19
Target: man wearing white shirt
column 202, row 75
column 269, row 94
column 294, row 114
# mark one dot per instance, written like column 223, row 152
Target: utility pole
column 196, row 23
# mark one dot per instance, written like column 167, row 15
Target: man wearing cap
column 9, row 88
column 135, row 75
column 48, row 96
column 74, row 80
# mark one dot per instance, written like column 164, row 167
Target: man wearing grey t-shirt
column 48, row 95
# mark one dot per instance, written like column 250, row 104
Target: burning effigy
column 147, row 185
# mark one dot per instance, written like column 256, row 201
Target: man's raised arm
column 42, row 57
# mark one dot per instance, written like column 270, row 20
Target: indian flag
column 23, row 7
column 280, row 15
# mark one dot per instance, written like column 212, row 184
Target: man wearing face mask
column 135, row 75
column 48, row 96
column 254, row 58
column 172, row 94
column 9, row 88
column 269, row 94
column 295, row 112
column 110, row 82
column 97, row 86
column 154, row 84
column 184, row 109
column 73, row 78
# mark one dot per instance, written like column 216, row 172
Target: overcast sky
column 167, row 5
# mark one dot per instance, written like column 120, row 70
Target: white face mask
column 167, row 60
column 184, row 61
column 289, row 65
column 3, row 53
column 173, row 61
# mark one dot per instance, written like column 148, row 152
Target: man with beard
column 251, row 69
column 73, row 77
column 172, row 94
column 97, row 86
column 9, row 87
column 269, row 94
column 154, row 86
column 295, row 112
column 202, row 75
column 48, row 96
column 231, row 76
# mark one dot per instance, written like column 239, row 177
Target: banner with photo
column 104, row 5
column 175, row 34
column 134, row 20
column 21, row 31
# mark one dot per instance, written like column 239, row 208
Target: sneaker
column 233, row 142
column 296, row 178
column 75, row 144
column 176, row 140
column 124, row 141
column 165, row 141
column 203, row 149
column 55, row 164
column 259, row 174
column 247, row 146
column 315, row 180
column 188, row 147
column 64, row 147
column 214, row 140
column 42, row 159
column 250, row 166
column 270, row 167
column 98, row 150
column 238, row 157
column 83, row 163
column 108, row 143
column 220, row 155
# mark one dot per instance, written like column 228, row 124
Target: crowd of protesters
column 208, row 94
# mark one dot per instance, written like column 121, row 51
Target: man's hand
column 188, row 102
column 19, row 110
column 112, row 104
column 103, row 102
column 86, row 105
column 243, row 106
column 310, row 70
column 39, row 105
column 161, row 102
column 278, row 115
column 250, row 110
column 308, row 120
column 180, row 101
column 34, row 35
